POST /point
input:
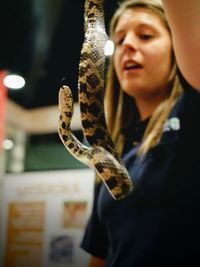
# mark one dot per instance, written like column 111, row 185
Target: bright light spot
column 14, row 81
column 8, row 144
column 109, row 48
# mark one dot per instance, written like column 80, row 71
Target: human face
column 142, row 57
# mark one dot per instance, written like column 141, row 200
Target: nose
column 130, row 42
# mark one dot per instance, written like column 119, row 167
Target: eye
column 119, row 41
column 146, row 36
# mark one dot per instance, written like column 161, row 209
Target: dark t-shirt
column 159, row 223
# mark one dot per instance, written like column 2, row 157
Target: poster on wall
column 43, row 218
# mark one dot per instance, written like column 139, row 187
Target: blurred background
column 41, row 41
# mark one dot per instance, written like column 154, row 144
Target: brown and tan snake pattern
column 101, row 155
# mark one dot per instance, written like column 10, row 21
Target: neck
column 147, row 106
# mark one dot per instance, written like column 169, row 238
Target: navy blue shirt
column 159, row 223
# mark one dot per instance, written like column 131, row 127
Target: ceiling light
column 8, row 144
column 109, row 48
column 14, row 81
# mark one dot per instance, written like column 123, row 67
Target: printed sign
column 44, row 216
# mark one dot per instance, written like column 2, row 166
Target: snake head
column 65, row 99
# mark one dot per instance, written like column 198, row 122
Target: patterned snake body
column 91, row 78
column 102, row 155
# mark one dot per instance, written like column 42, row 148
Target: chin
column 132, row 91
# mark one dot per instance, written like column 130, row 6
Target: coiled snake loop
column 101, row 155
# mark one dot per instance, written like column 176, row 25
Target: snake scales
column 101, row 155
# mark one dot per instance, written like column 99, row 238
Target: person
column 153, row 81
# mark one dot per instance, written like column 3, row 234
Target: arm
column 96, row 262
column 184, row 21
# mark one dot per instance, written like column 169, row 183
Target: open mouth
column 132, row 66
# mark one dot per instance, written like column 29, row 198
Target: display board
column 43, row 218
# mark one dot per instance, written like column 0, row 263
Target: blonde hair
column 120, row 108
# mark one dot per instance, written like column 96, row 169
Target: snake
column 101, row 153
